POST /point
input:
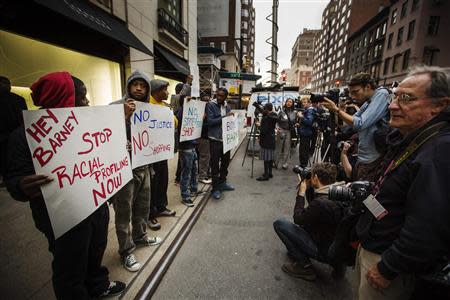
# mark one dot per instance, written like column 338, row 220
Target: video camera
column 304, row 172
column 355, row 194
column 332, row 94
column 258, row 107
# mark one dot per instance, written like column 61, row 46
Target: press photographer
column 313, row 230
column 372, row 115
column 405, row 236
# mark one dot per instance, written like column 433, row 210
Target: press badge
column 377, row 210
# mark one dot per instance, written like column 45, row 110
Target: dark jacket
column 186, row 145
column 320, row 219
column 267, row 130
column 12, row 106
column 415, row 233
column 306, row 123
column 214, row 118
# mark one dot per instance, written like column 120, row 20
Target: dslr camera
column 355, row 194
column 332, row 94
column 304, row 172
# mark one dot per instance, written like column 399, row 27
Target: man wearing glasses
column 405, row 230
column 373, row 112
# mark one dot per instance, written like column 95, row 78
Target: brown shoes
column 298, row 271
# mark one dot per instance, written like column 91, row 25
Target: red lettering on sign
column 96, row 139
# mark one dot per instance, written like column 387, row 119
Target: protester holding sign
column 160, row 179
column 132, row 202
column 77, row 255
column 216, row 110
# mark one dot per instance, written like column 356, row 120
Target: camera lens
column 340, row 193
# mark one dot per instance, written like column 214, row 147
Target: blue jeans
column 188, row 180
column 297, row 241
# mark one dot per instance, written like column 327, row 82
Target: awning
column 170, row 60
column 95, row 19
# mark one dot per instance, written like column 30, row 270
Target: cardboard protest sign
column 152, row 134
column 191, row 125
column 230, row 133
column 84, row 150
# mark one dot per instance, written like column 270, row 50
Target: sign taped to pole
column 230, row 133
column 191, row 125
column 84, row 150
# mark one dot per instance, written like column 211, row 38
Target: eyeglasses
column 407, row 98
column 354, row 92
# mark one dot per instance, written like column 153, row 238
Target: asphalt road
column 233, row 252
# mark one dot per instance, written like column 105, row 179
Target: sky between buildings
column 293, row 16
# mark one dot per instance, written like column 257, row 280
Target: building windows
column 390, row 38
column 396, row 63
column 387, row 62
column 415, row 5
column 383, row 31
column 379, row 29
column 405, row 63
column 223, row 46
column 394, row 17
column 404, row 9
column 429, row 55
column 411, row 28
column 433, row 25
column 400, row 36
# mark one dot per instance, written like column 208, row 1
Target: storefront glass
column 24, row 60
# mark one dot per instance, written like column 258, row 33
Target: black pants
column 158, row 184
column 219, row 163
column 77, row 257
column 304, row 150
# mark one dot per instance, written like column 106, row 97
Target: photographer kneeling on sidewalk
column 405, row 236
column 314, row 227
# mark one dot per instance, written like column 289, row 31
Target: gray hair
column 439, row 86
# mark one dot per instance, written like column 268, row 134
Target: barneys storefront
column 42, row 36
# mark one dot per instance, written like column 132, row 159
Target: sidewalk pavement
column 25, row 262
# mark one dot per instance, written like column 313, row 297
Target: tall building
column 221, row 23
column 416, row 34
column 340, row 19
column 302, row 58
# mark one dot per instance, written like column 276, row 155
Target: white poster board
column 84, row 150
column 230, row 133
column 191, row 125
column 195, row 87
column 152, row 134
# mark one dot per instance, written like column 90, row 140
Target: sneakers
column 115, row 288
column 188, row 202
column 216, row 194
column 298, row 271
column 205, row 180
column 167, row 213
column 153, row 224
column 225, row 187
column 148, row 241
column 130, row 263
column 196, row 193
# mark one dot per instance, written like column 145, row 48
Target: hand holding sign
column 31, row 185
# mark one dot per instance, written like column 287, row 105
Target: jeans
column 304, row 150
column 298, row 242
column 219, row 163
column 188, row 159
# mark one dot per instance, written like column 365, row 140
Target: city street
column 233, row 251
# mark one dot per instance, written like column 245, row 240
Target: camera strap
column 427, row 134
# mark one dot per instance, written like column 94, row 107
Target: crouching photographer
column 313, row 230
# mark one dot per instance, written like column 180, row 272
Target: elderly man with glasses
column 405, row 230
column 372, row 115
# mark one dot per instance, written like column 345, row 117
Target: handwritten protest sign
column 152, row 134
column 84, row 150
column 191, row 126
column 230, row 133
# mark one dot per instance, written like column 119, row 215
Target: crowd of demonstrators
column 267, row 140
column 132, row 202
column 216, row 110
column 77, row 255
column 399, row 231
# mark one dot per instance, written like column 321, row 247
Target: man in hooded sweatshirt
column 132, row 202
column 77, row 255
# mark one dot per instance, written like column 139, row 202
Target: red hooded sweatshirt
column 54, row 90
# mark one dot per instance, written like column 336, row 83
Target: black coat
column 267, row 131
column 415, row 234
